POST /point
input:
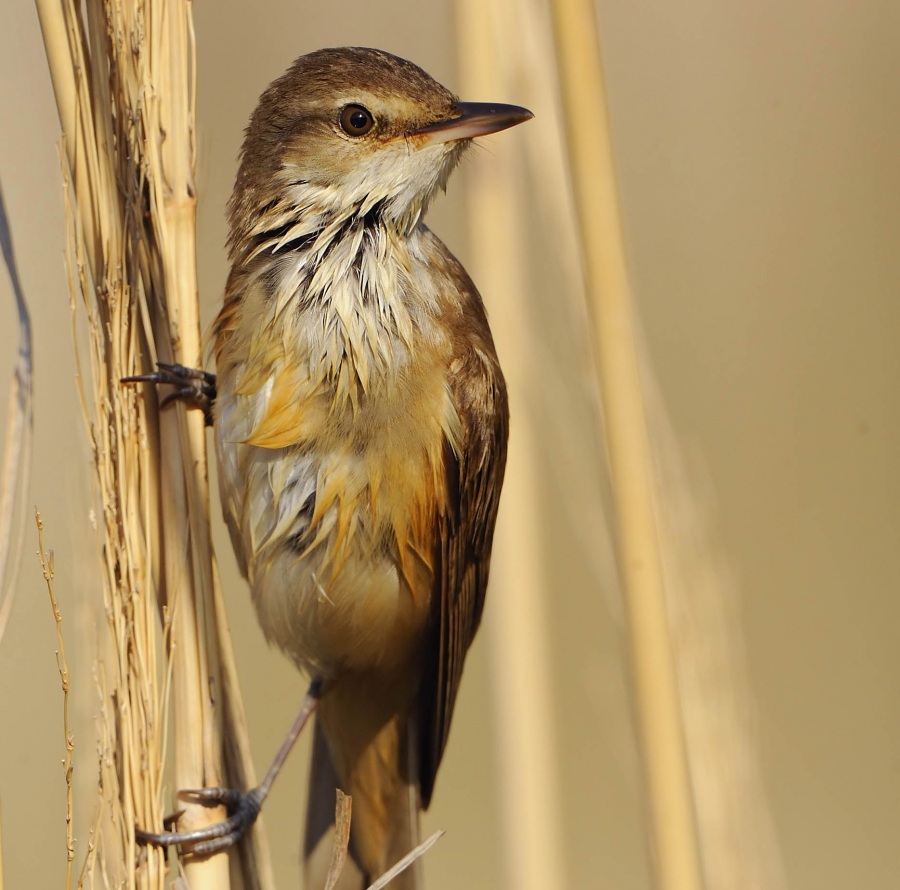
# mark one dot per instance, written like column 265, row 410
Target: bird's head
column 356, row 131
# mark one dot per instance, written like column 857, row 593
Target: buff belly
column 331, row 542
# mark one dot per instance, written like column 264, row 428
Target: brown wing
column 464, row 534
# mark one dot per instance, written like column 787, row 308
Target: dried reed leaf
column 407, row 861
column 342, row 812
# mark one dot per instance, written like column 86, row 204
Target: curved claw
column 242, row 812
column 242, row 808
column 193, row 385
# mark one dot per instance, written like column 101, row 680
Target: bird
column 360, row 422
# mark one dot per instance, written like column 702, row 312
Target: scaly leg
column 242, row 807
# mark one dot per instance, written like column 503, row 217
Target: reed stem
column 670, row 801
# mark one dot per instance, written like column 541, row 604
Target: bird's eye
column 356, row 120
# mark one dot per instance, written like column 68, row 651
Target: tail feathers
column 384, row 824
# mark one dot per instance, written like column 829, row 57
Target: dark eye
column 356, row 120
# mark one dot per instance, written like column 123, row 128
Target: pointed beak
column 471, row 119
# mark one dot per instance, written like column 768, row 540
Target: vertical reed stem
column 520, row 647
column 671, row 811
column 124, row 79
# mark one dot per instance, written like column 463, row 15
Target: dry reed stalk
column 15, row 469
column 123, row 75
column 530, row 797
column 670, row 799
column 738, row 846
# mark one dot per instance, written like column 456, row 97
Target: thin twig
column 63, row 666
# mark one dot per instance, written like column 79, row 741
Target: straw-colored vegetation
column 531, row 800
column 708, row 822
column 123, row 75
column 707, row 819
column 629, row 451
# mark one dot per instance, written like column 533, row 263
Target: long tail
column 379, row 773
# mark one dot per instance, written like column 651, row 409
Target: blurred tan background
column 757, row 148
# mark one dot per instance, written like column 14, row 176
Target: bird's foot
column 242, row 808
column 191, row 385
